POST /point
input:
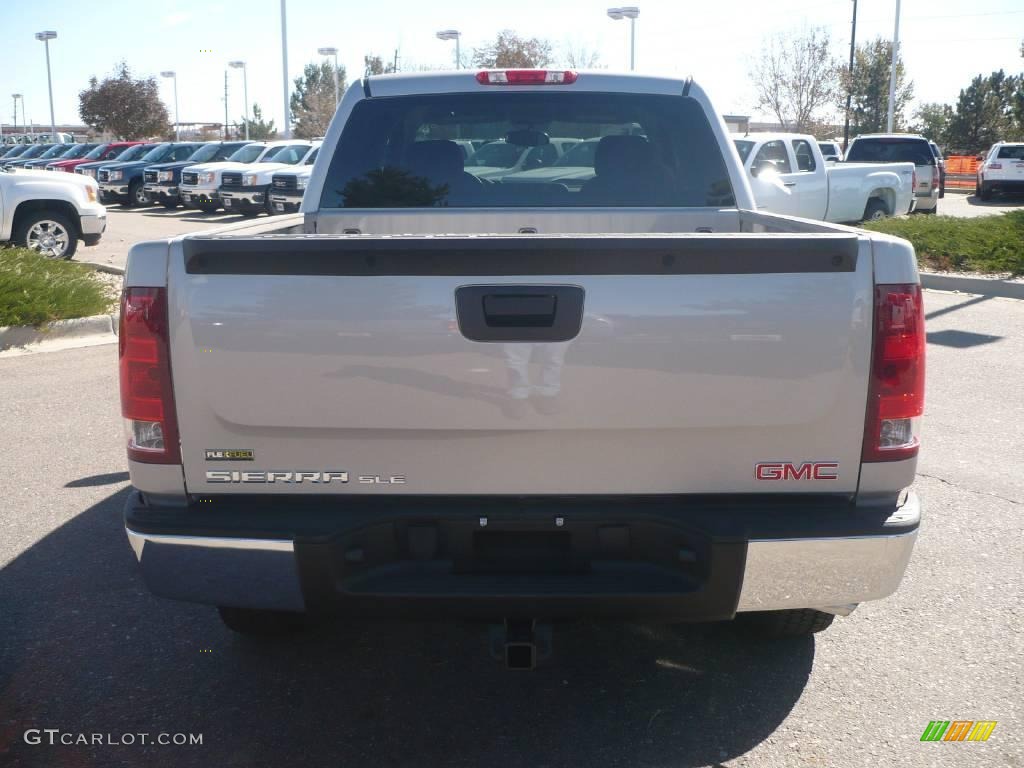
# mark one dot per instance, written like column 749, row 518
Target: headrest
column 622, row 154
column 438, row 160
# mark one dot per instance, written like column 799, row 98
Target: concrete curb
column 984, row 286
column 108, row 268
column 98, row 327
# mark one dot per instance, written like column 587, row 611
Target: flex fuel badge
column 229, row 454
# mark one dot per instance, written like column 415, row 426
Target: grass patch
column 35, row 290
column 982, row 244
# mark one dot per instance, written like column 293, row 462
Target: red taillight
column 526, row 77
column 936, row 174
column 913, row 180
column 147, row 401
column 896, row 388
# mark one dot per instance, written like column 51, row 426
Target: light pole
column 452, row 34
column 332, row 52
column 46, row 37
column 892, row 73
column 849, row 90
column 284, row 68
column 177, row 126
column 630, row 12
column 14, row 98
column 245, row 90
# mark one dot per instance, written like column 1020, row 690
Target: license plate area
column 521, row 552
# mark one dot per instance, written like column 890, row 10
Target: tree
column 932, row 120
column 124, row 106
column 312, row 102
column 374, row 65
column 988, row 110
column 511, row 51
column 797, row 79
column 869, row 88
column 259, row 129
column 581, row 57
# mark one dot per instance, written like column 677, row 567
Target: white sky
column 945, row 42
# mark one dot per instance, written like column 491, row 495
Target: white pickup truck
column 789, row 175
column 429, row 394
column 50, row 213
column 248, row 190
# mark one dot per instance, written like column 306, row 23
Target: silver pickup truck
column 621, row 394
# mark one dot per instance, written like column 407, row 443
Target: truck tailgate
column 452, row 364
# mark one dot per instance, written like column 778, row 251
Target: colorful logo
column 958, row 730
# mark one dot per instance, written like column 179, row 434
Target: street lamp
column 177, row 126
column 46, row 37
column 452, row 34
column 332, row 52
column 15, row 97
column 630, row 12
column 892, row 74
column 284, row 69
column 245, row 90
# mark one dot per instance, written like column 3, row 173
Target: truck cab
column 162, row 180
column 200, row 183
column 123, row 181
column 789, row 175
column 128, row 154
column 101, row 155
column 248, row 191
column 288, row 187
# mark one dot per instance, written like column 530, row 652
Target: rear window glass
column 535, row 150
column 914, row 151
column 1011, row 153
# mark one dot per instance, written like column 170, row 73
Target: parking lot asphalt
column 127, row 226
column 85, row 649
column 967, row 205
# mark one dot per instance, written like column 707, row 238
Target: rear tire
column 876, row 210
column 986, row 191
column 791, row 623
column 256, row 622
column 931, row 211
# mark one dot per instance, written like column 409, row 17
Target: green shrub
column 35, row 290
column 982, row 244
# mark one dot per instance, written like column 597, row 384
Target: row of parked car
column 249, row 177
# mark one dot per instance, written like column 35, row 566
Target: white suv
column 1001, row 170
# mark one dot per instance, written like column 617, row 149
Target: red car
column 102, row 152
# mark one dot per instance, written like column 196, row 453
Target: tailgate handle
column 520, row 310
column 519, row 313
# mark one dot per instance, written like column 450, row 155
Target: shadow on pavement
column 107, row 479
column 86, row 649
column 954, row 307
column 997, row 201
column 961, row 339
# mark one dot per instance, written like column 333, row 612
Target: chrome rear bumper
column 826, row 573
